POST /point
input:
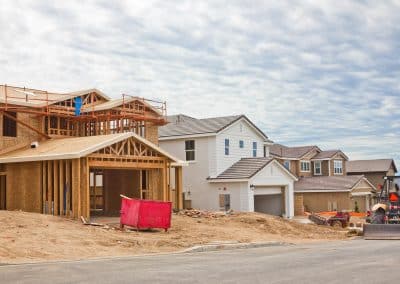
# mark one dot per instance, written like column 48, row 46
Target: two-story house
column 373, row 170
column 323, row 183
column 307, row 161
column 229, row 165
column 73, row 154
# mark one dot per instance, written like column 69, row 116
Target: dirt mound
column 35, row 237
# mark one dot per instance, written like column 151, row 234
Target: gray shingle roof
column 365, row 166
column 182, row 125
column 245, row 168
column 336, row 183
column 290, row 152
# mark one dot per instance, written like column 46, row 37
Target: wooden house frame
column 114, row 141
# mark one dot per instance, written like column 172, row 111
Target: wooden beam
column 44, row 186
column 120, row 165
column 61, row 175
column 179, row 187
column 26, row 125
column 165, row 182
column 84, row 189
column 75, row 188
column 56, row 189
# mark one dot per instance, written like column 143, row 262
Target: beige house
column 326, row 193
column 308, row 161
column 373, row 170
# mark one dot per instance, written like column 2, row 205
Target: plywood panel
column 24, row 187
column 116, row 182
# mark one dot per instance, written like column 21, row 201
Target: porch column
column 289, row 200
column 178, row 188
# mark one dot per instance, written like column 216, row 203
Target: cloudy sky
column 306, row 72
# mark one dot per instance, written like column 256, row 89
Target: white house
column 228, row 165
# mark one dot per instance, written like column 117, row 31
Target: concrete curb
column 228, row 246
column 200, row 248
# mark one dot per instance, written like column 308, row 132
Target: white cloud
column 317, row 72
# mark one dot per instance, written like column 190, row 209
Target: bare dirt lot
column 30, row 237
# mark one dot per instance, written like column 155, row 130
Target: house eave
column 186, row 136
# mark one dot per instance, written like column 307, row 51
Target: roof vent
column 34, row 144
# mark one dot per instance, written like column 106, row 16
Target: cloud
column 306, row 72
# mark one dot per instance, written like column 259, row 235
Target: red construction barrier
column 145, row 214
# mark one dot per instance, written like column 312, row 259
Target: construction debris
column 85, row 222
column 195, row 213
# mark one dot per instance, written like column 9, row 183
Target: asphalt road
column 357, row 261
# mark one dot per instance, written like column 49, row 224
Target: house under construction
column 73, row 154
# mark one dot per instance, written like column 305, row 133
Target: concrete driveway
column 356, row 261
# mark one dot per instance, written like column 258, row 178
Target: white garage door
column 269, row 204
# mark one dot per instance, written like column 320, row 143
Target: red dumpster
column 145, row 214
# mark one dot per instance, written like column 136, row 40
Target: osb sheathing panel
column 24, row 135
column 116, row 182
column 152, row 133
column 24, row 186
column 156, row 184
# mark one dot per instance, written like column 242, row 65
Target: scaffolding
column 82, row 113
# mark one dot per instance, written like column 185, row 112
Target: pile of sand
column 35, row 237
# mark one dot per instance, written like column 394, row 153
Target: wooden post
column 84, row 189
column 49, row 188
column 56, row 184
column 61, row 186
column 178, row 187
column 165, row 181
column 44, row 186
column 75, row 188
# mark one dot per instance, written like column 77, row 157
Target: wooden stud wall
column 65, row 187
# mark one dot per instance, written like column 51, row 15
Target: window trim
column 341, row 167
column 226, row 146
column 254, row 149
column 190, row 150
column 309, row 166
column 320, row 168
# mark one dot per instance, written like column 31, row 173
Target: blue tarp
column 78, row 105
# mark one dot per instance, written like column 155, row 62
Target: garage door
column 269, row 204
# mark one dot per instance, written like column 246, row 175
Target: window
column 241, row 144
column 317, row 168
column 286, row 164
column 189, row 150
column 254, row 149
column 305, row 166
column 338, row 167
column 9, row 124
column 226, row 147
